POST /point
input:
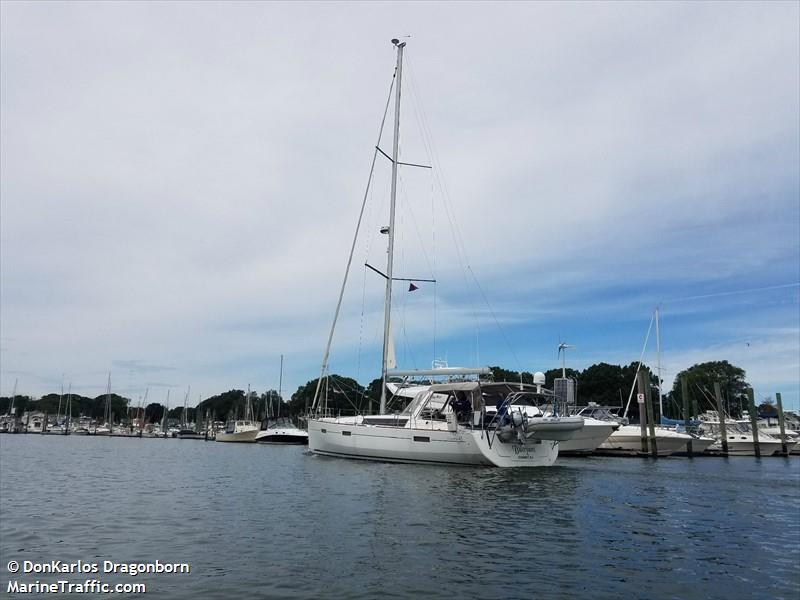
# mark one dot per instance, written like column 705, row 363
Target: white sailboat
column 105, row 427
column 445, row 423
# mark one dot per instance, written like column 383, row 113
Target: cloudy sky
column 181, row 182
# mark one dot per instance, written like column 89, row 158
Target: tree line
column 602, row 383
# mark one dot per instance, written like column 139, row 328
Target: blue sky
column 180, row 183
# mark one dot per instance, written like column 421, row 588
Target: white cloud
column 180, row 181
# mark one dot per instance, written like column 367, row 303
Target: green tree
column 552, row 374
column 270, row 402
column 223, row 406
column 154, row 412
column 21, row 404
column 372, row 395
column 701, row 378
column 602, row 383
column 501, row 374
column 341, row 395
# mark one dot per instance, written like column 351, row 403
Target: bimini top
column 511, row 387
column 461, row 386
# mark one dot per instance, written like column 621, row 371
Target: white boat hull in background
column 588, row 439
column 289, row 435
column 744, row 446
column 244, row 437
column 628, row 440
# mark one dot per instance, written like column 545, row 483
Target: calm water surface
column 276, row 522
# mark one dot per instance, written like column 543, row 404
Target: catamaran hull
column 426, row 446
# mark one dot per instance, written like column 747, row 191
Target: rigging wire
column 458, row 243
column 639, row 366
column 433, row 243
column 733, row 292
column 497, row 322
column 361, row 322
column 326, row 356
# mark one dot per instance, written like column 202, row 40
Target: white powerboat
column 627, row 439
column 239, row 431
column 792, row 436
column 103, row 429
column 281, row 431
column 588, row 439
column 34, row 423
column 244, row 431
column 740, row 441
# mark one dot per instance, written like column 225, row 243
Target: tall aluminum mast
column 390, row 254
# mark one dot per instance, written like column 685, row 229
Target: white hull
column 245, row 437
column 699, row 445
column 350, row 438
column 587, row 440
column 628, row 439
column 282, row 436
column 745, row 447
column 56, row 430
column 791, row 436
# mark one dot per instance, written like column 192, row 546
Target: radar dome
column 538, row 378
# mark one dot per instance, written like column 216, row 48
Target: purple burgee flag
column 412, row 287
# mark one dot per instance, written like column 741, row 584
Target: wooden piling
column 650, row 414
column 782, row 425
column 723, row 433
column 640, row 396
column 751, row 409
column 686, row 415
